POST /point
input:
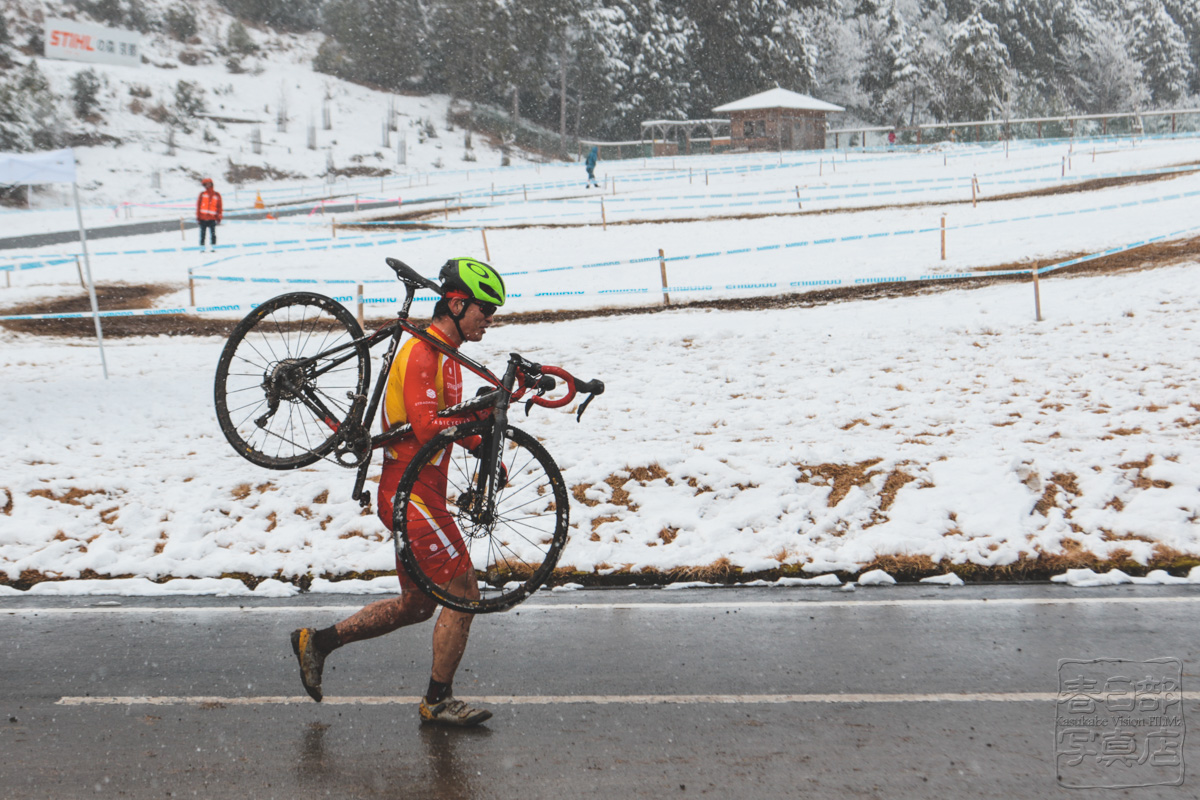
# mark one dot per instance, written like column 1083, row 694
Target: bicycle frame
column 355, row 444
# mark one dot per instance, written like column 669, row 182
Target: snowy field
column 878, row 217
column 941, row 432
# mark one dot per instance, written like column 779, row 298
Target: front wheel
column 513, row 544
column 289, row 377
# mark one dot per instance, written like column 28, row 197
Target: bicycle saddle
column 409, row 276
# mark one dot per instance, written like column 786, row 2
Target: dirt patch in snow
column 436, row 218
column 122, row 296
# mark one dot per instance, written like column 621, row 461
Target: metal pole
column 91, row 284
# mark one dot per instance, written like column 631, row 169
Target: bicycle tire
column 513, row 556
column 262, row 351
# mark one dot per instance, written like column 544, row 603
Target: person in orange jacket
column 209, row 212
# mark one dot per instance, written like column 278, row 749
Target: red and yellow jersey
column 421, row 382
column 208, row 205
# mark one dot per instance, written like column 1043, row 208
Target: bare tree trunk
column 516, row 115
column 562, row 96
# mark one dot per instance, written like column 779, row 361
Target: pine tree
column 85, row 88
column 895, row 73
column 1158, row 44
column 238, row 39
column 1103, row 76
column 381, row 40
column 1033, row 32
column 639, row 53
column 979, row 63
column 748, row 46
column 1186, row 14
column 28, row 112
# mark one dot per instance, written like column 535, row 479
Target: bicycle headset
column 472, row 280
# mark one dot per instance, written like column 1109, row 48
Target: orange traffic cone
column 258, row 203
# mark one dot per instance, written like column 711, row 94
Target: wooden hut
column 777, row 119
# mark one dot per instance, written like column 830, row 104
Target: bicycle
column 290, row 390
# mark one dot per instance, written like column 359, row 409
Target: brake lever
column 583, row 407
column 545, row 383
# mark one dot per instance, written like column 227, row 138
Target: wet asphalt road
column 223, row 715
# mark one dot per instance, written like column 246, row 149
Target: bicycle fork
column 492, row 462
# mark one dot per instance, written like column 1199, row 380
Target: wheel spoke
column 523, row 539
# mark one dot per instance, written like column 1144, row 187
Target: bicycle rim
column 276, row 407
column 513, row 553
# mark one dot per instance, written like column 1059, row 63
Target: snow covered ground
column 951, row 427
column 940, row 432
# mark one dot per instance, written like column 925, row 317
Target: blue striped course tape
column 810, row 283
column 318, row 244
column 929, row 184
column 746, row 250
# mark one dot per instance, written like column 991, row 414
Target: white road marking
column 581, row 699
column 663, row 606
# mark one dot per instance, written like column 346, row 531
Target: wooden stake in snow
column 821, row 167
column 1064, row 167
column 943, row 237
column 525, row 189
column 486, row 252
column 360, row 305
column 191, row 286
column 662, row 268
column 333, row 226
column 603, row 216
column 79, row 270
column 706, row 177
column 181, row 234
column 799, row 205
column 1037, row 296
column 974, row 186
column 446, row 209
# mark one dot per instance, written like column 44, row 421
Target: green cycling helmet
column 472, row 279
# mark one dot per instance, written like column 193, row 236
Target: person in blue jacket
column 592, row 155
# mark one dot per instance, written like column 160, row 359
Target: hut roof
column 777, row 98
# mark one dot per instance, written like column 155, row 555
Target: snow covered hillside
column 272, row 122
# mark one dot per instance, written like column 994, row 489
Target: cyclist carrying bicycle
column 421, row 382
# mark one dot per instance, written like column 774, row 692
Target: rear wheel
column 514, row 548
column 290, row 375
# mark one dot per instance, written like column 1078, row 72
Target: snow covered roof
column 777, row 98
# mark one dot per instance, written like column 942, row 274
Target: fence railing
column 1129, row 123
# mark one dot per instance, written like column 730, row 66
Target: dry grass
column 1141, row 481
column 842, row 477
column 71, row 497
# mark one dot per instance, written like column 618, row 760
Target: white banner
column 56, row 166
column 82, row 41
